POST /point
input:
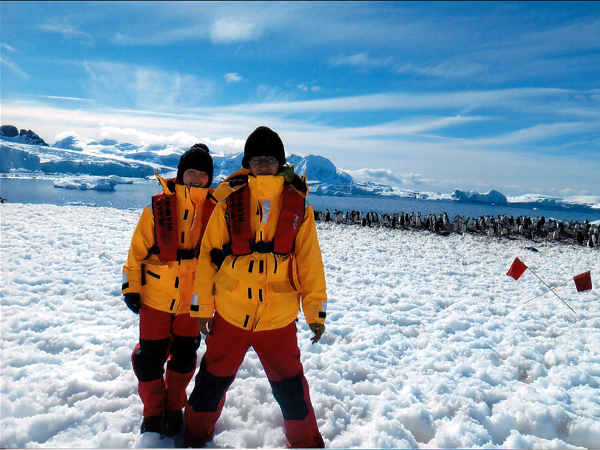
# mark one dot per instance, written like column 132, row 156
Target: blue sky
column 427, row 96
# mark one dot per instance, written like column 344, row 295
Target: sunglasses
column 270, row 161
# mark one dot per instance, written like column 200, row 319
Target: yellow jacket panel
column 167, row 285
column 261, row 291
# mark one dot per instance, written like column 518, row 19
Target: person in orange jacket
column 261, row 262
column 158, row 279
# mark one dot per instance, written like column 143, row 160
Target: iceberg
column 492, row 197
column 86, row 183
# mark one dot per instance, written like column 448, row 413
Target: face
column 196, row 178
column 263, row 165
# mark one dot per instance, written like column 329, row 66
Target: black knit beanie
column 263, row 142
column 196, row 158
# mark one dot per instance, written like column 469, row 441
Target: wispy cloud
column 5, row 46
column 14, row 67
column 65, row 29
column 448, row 69
column 410, row 126
column 67, row 98
column 161, row 36
column 360, row 60
column 144, row 87
column 539, row 133
column 465, row 100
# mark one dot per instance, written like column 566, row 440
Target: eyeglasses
column 256, row 161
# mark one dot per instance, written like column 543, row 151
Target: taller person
column 261, row 261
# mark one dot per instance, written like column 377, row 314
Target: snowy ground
column 428, row 343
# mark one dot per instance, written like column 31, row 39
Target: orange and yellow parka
column 167, row 285
column 261, row 291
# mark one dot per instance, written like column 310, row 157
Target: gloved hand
column 205, row 325
column 133, row 302
column 318, row 329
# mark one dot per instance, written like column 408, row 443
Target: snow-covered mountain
column 74, row 155
column 25, row 151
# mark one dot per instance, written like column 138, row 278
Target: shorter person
column 259, row 262
column 158, row 279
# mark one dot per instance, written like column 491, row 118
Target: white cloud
column 233, row 77
column 65, row 134
column 386, row 176
column 179, row 139
column 228, row 30
column 312, row 87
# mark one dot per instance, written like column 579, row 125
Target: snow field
column 428, row 342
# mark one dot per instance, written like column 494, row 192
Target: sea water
column 137, row 195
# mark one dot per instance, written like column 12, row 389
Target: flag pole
column 545, row 292
column 546, row 284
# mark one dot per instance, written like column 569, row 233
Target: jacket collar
column 265, row 187
column 170, row 186
column 241, row 177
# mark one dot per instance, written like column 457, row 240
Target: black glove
column 133, row 302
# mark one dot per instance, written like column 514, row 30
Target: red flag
column 583, row 281
column 517, row 269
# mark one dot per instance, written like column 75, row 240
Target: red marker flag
column 517, row 269
column 583, row 281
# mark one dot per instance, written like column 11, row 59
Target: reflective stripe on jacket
column 167, row 285
column 261, row 291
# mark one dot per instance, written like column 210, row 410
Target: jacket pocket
column 281, row 287
column 159, row 280
column 226, row 280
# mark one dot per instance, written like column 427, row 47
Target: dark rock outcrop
column 29, row 137
column 9, row 131
column 24, row 136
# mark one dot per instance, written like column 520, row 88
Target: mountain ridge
column 25, row 152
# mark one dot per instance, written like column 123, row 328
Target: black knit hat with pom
column 263, row 142
column 197, row 158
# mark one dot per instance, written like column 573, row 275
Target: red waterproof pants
column 165, row 336
column 280, row 356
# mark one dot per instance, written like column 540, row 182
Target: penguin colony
column 538, row 230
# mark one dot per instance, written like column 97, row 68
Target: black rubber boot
column 152, row 424
column 173, row 421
